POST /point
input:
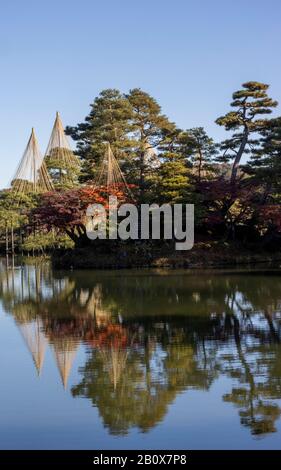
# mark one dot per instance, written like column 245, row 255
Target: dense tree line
column 234, row 184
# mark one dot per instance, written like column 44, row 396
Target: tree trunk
column 266, row 193
column 200, row 165
column 238, row 157
column 81, row 239
column 21, row 242
column 7, row 240
column 12, row 240
column 272, row 329
column 142, row 174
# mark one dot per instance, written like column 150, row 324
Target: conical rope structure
column 32, row 174
column 62, row 164
column 110, row 174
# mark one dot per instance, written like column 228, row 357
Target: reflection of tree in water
column 251, row 358
column 151, row 337
column 176, row 353
column 27, row 291
column 156, row 364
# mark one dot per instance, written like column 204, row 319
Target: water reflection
column 150, row 337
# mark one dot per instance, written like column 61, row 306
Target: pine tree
column 172, row 182
column 249, row 102
column 200, row 149
column 150, row 129
column 265, row 164
column 108, row 122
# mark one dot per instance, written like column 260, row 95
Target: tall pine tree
column 200, row 150
column 251, row 103
column 150, row 129
column 108, row 122
column 265, row 163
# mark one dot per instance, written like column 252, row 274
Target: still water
column 139, row 359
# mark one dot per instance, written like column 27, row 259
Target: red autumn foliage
column 225, row 202
column 110, row 336
column 100, row 195
column 114, row 336
column 65, row 210
column 214, row 218
column 216, row 190
column 270, row 215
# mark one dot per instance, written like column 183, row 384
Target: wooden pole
column 7, row 239
column 21, row 242
column 12, row 240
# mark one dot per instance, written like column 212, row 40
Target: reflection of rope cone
column 95, row 307
column 35, row 340
column 116, row 359
column 65, row 351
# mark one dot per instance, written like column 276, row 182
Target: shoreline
column 200, row 257
column 203, row 256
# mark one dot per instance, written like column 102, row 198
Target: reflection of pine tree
column 133, row 386
column 252, row 366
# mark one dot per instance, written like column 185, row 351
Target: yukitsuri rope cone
column 61, row 162
column 110, row 174
column 32, row 174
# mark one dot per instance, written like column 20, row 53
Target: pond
column 139, row 359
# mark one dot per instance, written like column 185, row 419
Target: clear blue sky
column 191, row 55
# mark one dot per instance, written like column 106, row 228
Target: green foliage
column 172, row 185
column 46, row 241
column 151, row 129
column 265, row 163
column 14, row 213
column 14, row 208
column 201, row 150
column 108, row 121
column 63, row 168
column 249, row 102
column 164, row 164
column 133, row 125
